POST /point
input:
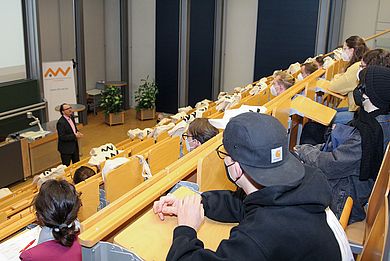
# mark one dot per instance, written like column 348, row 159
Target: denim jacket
column 342, row 167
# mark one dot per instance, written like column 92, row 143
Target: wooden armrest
column 346, row 212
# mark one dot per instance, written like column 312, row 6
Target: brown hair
column 359, row 48
column 82, row 174
column 320, row 60
column 202, row 130
column 310, row 67
column 286, row 79
column 57, row 205
column 377, row 57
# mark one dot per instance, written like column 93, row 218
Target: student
column 280, row 207
column 83, row 173
column 344, row 83
column 282, row 81
column 374, row 57
column 199, row 131
column 307, row 69
column 56, row 205
column 352, row 155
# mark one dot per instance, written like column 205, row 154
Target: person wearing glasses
column 279, row 208
column 68, row 135
column 352, row 154
column 199, row 131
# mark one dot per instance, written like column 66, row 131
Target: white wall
column 142, row 27
column 94, row 42
column 239, row 43
column 49, row 21
column 112, row 40
column 365, row 18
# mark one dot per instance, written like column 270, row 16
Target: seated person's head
column 257, row 153
column 353, row 49
column 82, row 174
column 319, row 61
column 282, row 81
column 376, row 57
column 199, row 131
column 57, row 205
column 308, row 68
column 373, row 92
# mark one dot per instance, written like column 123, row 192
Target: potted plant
column 145, row 97
column 111, row 103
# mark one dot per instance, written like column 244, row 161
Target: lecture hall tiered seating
column 130, row 194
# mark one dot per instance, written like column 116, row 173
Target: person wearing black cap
column 353, row 153
column 280, row 207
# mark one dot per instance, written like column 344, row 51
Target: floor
column 97, row 132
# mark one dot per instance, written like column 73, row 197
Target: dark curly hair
column 57, row 205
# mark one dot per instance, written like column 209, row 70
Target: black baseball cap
column 258, row 142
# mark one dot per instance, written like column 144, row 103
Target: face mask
column 357, row 75
column 345, row 56
column 188, row 145
column 300, row 77
column 228, row 175
column 273, row 91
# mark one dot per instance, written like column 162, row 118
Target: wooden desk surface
column 313, row 110
column 324, row 84
column 151, row 238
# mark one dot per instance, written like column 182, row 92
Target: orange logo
column 277, row 154
column 51, row 73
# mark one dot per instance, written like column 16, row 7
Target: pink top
column 71, row 123
column 52, row 250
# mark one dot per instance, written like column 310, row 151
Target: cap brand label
column 276, row 155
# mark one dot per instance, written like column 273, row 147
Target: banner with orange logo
column 59, row 85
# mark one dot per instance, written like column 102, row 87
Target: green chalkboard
column 14, row 95
column 18, row 94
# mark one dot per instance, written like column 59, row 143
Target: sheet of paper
column 10, row 249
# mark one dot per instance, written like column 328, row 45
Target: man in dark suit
column 68, row 135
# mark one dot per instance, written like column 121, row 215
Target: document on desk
column 157, row 235
column 10, row 249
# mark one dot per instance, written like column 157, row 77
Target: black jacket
column 67, row 140
column 275, row 223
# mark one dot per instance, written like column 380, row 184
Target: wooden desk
column 313, row 110
column 151, row 238
column 324, row 85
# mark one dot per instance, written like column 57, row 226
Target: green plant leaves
column 146, row 94
column 111, row 101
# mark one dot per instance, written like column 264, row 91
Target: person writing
column 68, row 135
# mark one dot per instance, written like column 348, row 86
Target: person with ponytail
column 353, row 50
column 56, row 205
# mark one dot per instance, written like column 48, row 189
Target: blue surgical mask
column 273, row 90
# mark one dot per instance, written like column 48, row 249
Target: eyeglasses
column 221, row 154
column 186, row 136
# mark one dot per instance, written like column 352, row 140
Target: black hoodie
column 275, row 223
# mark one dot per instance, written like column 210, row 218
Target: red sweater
column 52, row 250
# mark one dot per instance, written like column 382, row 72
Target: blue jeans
column 191, row 185
column 343, row 116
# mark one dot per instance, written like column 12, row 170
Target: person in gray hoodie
column 352, row 154
column 280, row 206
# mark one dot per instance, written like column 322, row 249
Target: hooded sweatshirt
column 275, row 223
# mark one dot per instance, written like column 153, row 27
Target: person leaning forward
column 280, row 206
column 68, row 135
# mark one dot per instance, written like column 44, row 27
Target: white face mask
column 273, row 91
column 300, row 77
column 188, row 146
column 345, row 56
column 357, row 75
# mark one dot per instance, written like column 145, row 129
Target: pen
column 28, row 245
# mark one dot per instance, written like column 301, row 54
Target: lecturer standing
column 68, row 135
